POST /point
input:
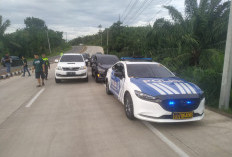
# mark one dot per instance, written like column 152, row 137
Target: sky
column 82, row 17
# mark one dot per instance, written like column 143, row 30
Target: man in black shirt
column 25, row 66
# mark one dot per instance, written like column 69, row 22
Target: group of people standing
column 40, row 66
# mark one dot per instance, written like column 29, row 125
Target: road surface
column 78, row 119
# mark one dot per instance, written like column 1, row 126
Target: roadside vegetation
column 32, row 38
column 192, row 45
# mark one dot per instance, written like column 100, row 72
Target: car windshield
column 71, row 58
column 148, row 71
column 108, row 60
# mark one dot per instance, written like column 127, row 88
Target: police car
column 151, row 92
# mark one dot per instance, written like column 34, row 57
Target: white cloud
column 79, row 17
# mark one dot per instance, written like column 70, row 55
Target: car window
column 107, row 60
column 71, row 58
column 148, row 71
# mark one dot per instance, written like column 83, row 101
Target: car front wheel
column 108, row 88
column 57, row 80
column 128, row 106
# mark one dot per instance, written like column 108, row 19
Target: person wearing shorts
column 39, row 68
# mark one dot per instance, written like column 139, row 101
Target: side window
column 115, row 67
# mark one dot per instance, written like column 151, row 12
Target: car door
column 116, row 83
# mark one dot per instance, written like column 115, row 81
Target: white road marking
column 35, row 97
column 174, row 147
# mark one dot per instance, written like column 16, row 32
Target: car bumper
column 81, row 74
column 153, row 112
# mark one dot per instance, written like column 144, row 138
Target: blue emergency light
column 171, row 103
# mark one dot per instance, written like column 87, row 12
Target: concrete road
column 78, row 119
column 51, row 59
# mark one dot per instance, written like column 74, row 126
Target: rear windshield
column 148, row 71
column 71, row 58
column 108, row 60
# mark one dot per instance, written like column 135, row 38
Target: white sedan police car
column 71, row 66
column 149, row 91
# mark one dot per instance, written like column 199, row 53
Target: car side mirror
column 118, row 74
column 56, row 60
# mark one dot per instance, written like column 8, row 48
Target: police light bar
column 136, row 59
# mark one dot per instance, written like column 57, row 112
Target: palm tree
column 3, row 26
column 203, row 24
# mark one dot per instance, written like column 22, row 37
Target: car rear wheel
column 128, row 106
column 108, row 89
column 92, row 74
column 57, row 80
column 96, row 78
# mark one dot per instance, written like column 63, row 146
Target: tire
column 108, row 92
column 128, row 107
column 92, row 73
column 57, row 80
column 86, row 79
column 96, row 78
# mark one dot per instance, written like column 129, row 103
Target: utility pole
column 227, row 69
column 48, row 42
column 107, row 41
column 66, row 37
column 100, row 26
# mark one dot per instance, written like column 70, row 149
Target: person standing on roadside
column 25, row 66
column 7, row 62
column 39, row 68
column 47, row 65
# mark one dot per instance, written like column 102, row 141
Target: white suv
column 71, row 66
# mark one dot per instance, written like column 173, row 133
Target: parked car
column 71, row 66
column 15, row 61
column 151, row 92
column 100, row 65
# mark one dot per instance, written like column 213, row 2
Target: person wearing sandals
column 39, row 67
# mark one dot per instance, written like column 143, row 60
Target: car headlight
column 147, row 97
column 83, row 68
column 100, row 70
column 59, row 68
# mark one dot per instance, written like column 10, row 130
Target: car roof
column 129, row 62
column 104, row 56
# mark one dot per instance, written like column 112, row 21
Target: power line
column 123, row 13
column 168, row 2
column 144, row 6
column 131, row 9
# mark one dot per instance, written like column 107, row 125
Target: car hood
column 105, row 66
column 71, row 64
column 166, row 86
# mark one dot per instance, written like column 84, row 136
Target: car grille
column 71, row 68
column 180, row 105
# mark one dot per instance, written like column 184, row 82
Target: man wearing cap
column 39, row 68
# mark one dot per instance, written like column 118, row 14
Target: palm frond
column 175, row 14
column 190, row 8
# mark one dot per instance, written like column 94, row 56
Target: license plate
column 182, row 115
column 71, row 73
